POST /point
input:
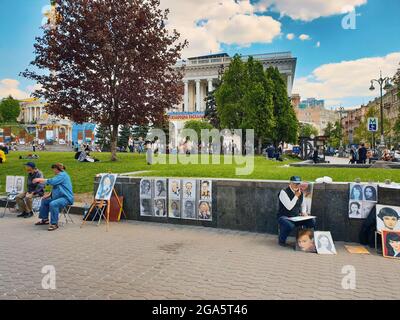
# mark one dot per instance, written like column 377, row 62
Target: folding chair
column 36, row 202
column 65, row 213
column 10, row 198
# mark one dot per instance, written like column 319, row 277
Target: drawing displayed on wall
column 324, row 242
column 160, row 209
column 307, row 188
column 205, row 189
column 160, row 189
column 106, row 186
column 189, row 189
column 174, row 189
column 15, row 184
column 205, row 210
column 305, row 241
column 174, row 210
column 145, row 188
column 391, row 244
column 363, row 198
column 189, row 210
column 146, row 208
column 387, row 218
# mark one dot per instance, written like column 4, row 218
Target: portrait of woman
column 174, row 209
column 355, row 209
column 204, row 210
column 356, row 192
column 387, row 218
column 391, row 244
column 106, row 186
column 370, row 193
column 324, row 243
column 145, row 188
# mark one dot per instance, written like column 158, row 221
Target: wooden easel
column 100, row 206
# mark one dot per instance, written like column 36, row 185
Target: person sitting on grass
column 3, row 157
column 61, row 196
column 24, row 200
column 291, row 204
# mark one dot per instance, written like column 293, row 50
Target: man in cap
column 24, row 200
column 291, row 205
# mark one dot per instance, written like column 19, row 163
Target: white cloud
column 346, row 79
column 12, row 87
column 304, row 37
column 209, row 23
column 308, row 10
column 290, row 36
column 318, row 44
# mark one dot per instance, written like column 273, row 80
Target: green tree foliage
column 9, row 110
column 198, row 126
column 307, row 130
column 124, row 134
column 334, row 133
column 139, row 132
column 103, row 137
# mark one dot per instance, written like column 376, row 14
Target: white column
column 186, row 97
column 198, row 95
column 289, row 85
column 210, row 85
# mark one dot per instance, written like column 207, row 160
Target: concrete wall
column 252, row 206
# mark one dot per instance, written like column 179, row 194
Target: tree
column 9, row 109
column 334, row 133
column 286, row 121
column 110, row 62
column 103, row 137
column 124, row 135
column 211, row 113
column 245, row 99
column 307, row 130
column 139, row 131
column 198, row 125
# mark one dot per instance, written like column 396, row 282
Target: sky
column 340, row 45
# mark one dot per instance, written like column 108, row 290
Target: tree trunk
column 114, row 141
column 259, row 146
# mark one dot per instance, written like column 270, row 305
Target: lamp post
column 384, row 84
column 341, row 111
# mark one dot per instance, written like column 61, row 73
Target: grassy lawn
column 82, row 174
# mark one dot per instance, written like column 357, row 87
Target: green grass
column 82, row 174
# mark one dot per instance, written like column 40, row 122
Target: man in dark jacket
column 291, row 205
column 24, row 200
column 362, row 154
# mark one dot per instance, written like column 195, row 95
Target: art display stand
column 101, row 209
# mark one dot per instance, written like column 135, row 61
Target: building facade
column 201, row 74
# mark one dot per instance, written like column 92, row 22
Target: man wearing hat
column 24, row 200
column 291, row 205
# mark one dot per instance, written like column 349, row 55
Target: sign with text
column 372, row 124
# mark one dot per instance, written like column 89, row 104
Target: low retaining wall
column 250, row 205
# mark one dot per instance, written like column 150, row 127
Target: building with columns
column 44, row 127
column 201, row 74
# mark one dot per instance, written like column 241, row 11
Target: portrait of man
column 145, row 207
column 189, row 189
column 204, row 210
column 189, row 210
column 175, row 189
column 387, row 218
column 324, row 242
column 145, row 188
column 391, row 244
column 106, row 186
column 161, row 189
column 205, row 190
column 174, row 209
column 160, row 208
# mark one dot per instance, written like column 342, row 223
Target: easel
column 100, row 206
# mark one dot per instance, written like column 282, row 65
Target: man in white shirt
column 292, row 204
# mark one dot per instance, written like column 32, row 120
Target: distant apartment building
column 313, row 111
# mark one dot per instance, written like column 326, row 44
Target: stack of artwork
column 363, row 198
column 388, row 225
column 187, row 199
column 320, row 242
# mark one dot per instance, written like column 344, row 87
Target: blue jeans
column 54, row 207
column 286, row 227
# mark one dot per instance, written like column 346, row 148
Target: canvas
column 189, row 189
column 106, row 186
column 145, row 188
column 160, row 207
column 174, row 210
column 324, row 242
column 174, row 189
column 15, row 184
column 189, row 210
column 387, row 218
column 391, row 244
column 205, row 210
column 305, row 241
column 205, row 190
column 160, row 188
column 362, row 199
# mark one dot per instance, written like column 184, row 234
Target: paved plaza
column 137, row 260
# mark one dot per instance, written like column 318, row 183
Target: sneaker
column 29, row 215
column 22, row 215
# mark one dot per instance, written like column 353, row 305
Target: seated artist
column 60, row 197
column 291, row 204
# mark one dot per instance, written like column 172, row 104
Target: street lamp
column 384, row 84
column 341, row 112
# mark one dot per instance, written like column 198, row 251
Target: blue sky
column 336, row 70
